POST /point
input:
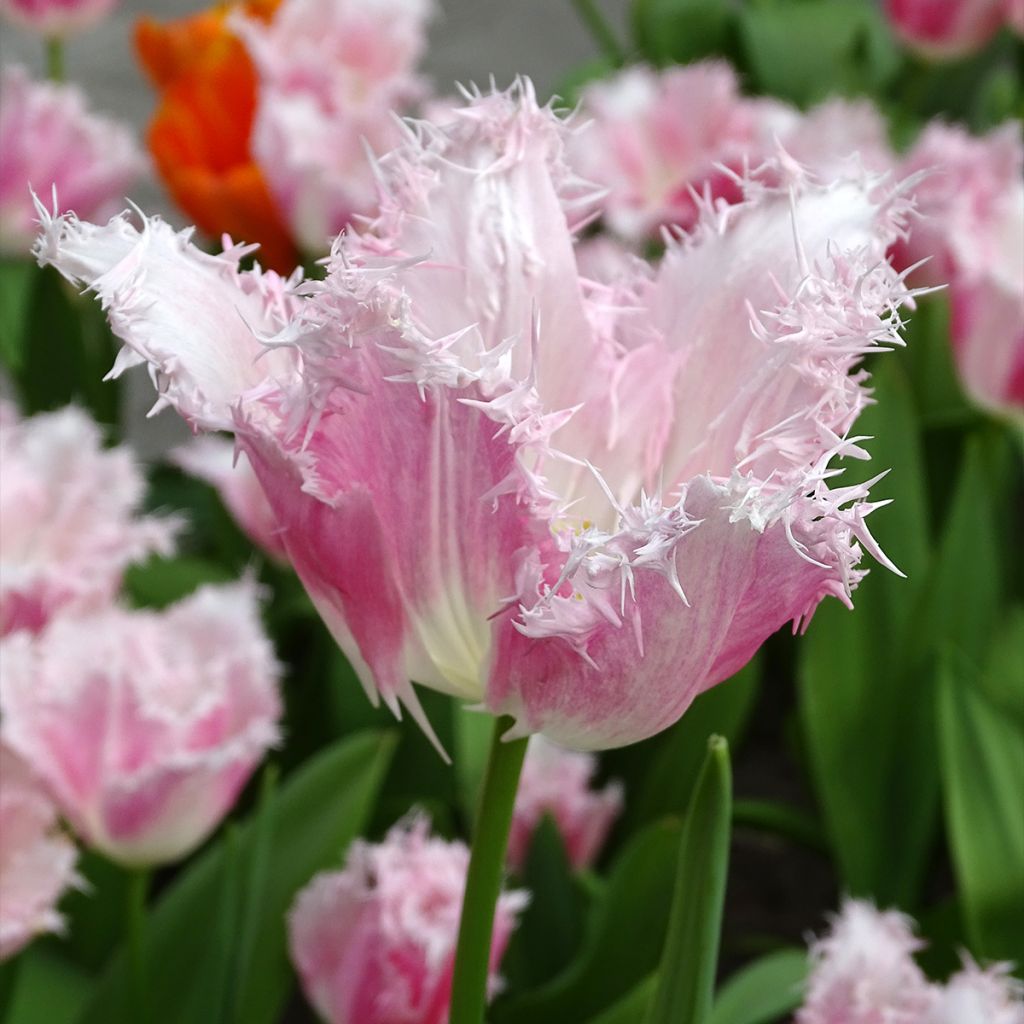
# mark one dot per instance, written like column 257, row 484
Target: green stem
column 600, row 30
column 55, row 59
column 483, row 881
column 138, row 887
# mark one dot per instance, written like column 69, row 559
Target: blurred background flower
column 58, row 18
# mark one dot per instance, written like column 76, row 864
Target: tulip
column 36, row 860
column 576, row 507
column 68, row 520
column 659, row 140
column 374, row 942
column 863, row 972
column 557, row 782
column 947, row 29
column 215, row 461
column 971, row 202
column 199, row 136
column 49, row 138
column 330, row 74
column 145, row 725
column 267, row 108
column 56, row 18
column 977, row 996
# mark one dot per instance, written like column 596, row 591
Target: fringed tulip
column 374, row 943
column 68, row 521
column 971, row 201
column 558, row 783
column 215, row 461
column 659, row 140
column 947, row 29
column 330, row 74
column 56, row 18
column 864, row 972
column 49, row 138
column 145, row 725
column 579, row 506
column 976, row 996
column 37, row 861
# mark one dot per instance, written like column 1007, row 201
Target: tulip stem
column 55, row 59
column 483, row 881
column 138, row 887
column 602, row 32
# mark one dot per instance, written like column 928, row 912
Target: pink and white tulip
column 215, row 461
column 947, row 29
column 56, row 18
column 37, row 861
column 68, row 518
column 971, row 205
column 580, row 506
column 559, row 783
column 374, row 943
column 864, row 972
column 144, row 725
column 49, row 138
column 331, row 73
column 977, row 996
column 659, row 139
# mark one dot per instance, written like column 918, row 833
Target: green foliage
column 679, row 31
column 689, row 961
column 623, row 941
column 202, row 938
column 983, row 785
column 763, row 991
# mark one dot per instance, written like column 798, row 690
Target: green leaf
column 660, row 774
column 807, row 51
column 983, row 786
column 623, row 941
column 865, row 704
column 48, row 989
column 680, row 31
column 66, row 351
column 689, row 962
column 551, row 928
column 764, row 990
column 158, row 582
column 780, row 819
column 319, row 810
column 632, row 1007
column 16, row 278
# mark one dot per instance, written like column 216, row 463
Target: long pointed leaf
column 686, row 982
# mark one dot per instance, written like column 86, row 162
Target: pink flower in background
column 145, row 725
column 331, row 73
column 657, row 134
column 863, row 971
column 559, row 783
column 947, row 29
column 579, row 505
column 374, row 943
column 214, row 460
column 49, row 137
column 37, row 861
column 657, row 137
column 68, row 518
column 976, row 996
column 56, row 17
column 971, row 225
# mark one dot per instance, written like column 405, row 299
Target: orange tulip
column 200, row 134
